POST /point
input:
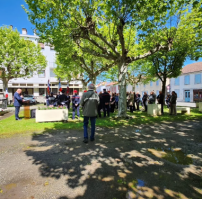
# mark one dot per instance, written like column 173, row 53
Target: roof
column 100, row 84
column 191, row 68
column 111, row 83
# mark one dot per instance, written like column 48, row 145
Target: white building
column 152, row 86
column 188, row 85
column 37, row 85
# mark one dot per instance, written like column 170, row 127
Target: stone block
column 154, row 109
column 200, row 106
column 52, row 115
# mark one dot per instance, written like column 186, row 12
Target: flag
column 67, row 87
column 6, row 93
column 59, row 86
column 48, row 88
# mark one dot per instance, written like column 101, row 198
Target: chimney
column 24, row 31
column 11, row 27
column 34, row 32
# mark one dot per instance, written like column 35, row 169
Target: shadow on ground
column 118, row 164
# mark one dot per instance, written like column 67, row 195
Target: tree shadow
column 118, row 160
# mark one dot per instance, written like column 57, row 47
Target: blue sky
column 11, row 13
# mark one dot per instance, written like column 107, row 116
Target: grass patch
column 10, row 126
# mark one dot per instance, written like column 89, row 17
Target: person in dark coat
column 112, row 103
column 68, row 101
column 117, row 100
column 18, row 101
column 160, row 101
column 173, row 100
column 144, row 100
column 100, row 105
column 105, row 100
column 138, row 101
column 62, row 98
column 135, row 99
column 75, row 104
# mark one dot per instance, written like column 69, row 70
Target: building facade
column 37, row 84
column 188, row 85
column 152, row 86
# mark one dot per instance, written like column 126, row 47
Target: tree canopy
column 120, row 31
column 18, row 57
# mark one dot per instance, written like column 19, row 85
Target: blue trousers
column 85, row 126
column 17, row 110
column 75, row 108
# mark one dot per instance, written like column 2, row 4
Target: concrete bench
column 154, row 109
column 183, row 109
column 200, row 106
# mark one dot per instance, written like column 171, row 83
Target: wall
column 182, row 87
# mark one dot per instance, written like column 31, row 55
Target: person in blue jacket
column 75, row 104
column 18, row 100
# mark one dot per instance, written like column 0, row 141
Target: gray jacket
column 90, row 105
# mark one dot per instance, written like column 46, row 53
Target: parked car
column 30, row 98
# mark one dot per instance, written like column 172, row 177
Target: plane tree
column 116, row 29
column 19, row 58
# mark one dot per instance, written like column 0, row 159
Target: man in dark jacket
column 173, row 103
column 62, row 98
column 138, row 100
column 160, row 98
column 105, row 101
column 144, row 100
column 18, row 100
column 89, row 102
column 100, row 106
column 75, row 104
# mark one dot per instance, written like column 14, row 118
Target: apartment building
column 188, row 85
column 37, row 84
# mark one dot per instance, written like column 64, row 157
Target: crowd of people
column 92, row 104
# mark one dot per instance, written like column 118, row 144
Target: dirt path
column 120, row 163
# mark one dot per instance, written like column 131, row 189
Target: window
column 177, row 81
column 177, row 92
column 41, row 91
column 15, row 84
column 187, row 80
column 41, row 84
column 197, row 78
column 41, row 73
column 52, row 74
column 1, row 90
column 29, row 84
column 22, row 84
column 157, row 82
column 151, row 83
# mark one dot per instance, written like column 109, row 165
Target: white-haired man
column 89, row 102
column 18, row 100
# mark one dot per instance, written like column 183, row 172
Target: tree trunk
column 5, row 85
column 122, row 89
column 84, row 85
column 164, row 89
column 94, row 80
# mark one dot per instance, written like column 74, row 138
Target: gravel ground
column 118, row 164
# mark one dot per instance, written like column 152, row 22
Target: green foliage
column 18, row 57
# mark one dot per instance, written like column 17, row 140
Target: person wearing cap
column 75, row 104
column 89, row 102
column 105, row 100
